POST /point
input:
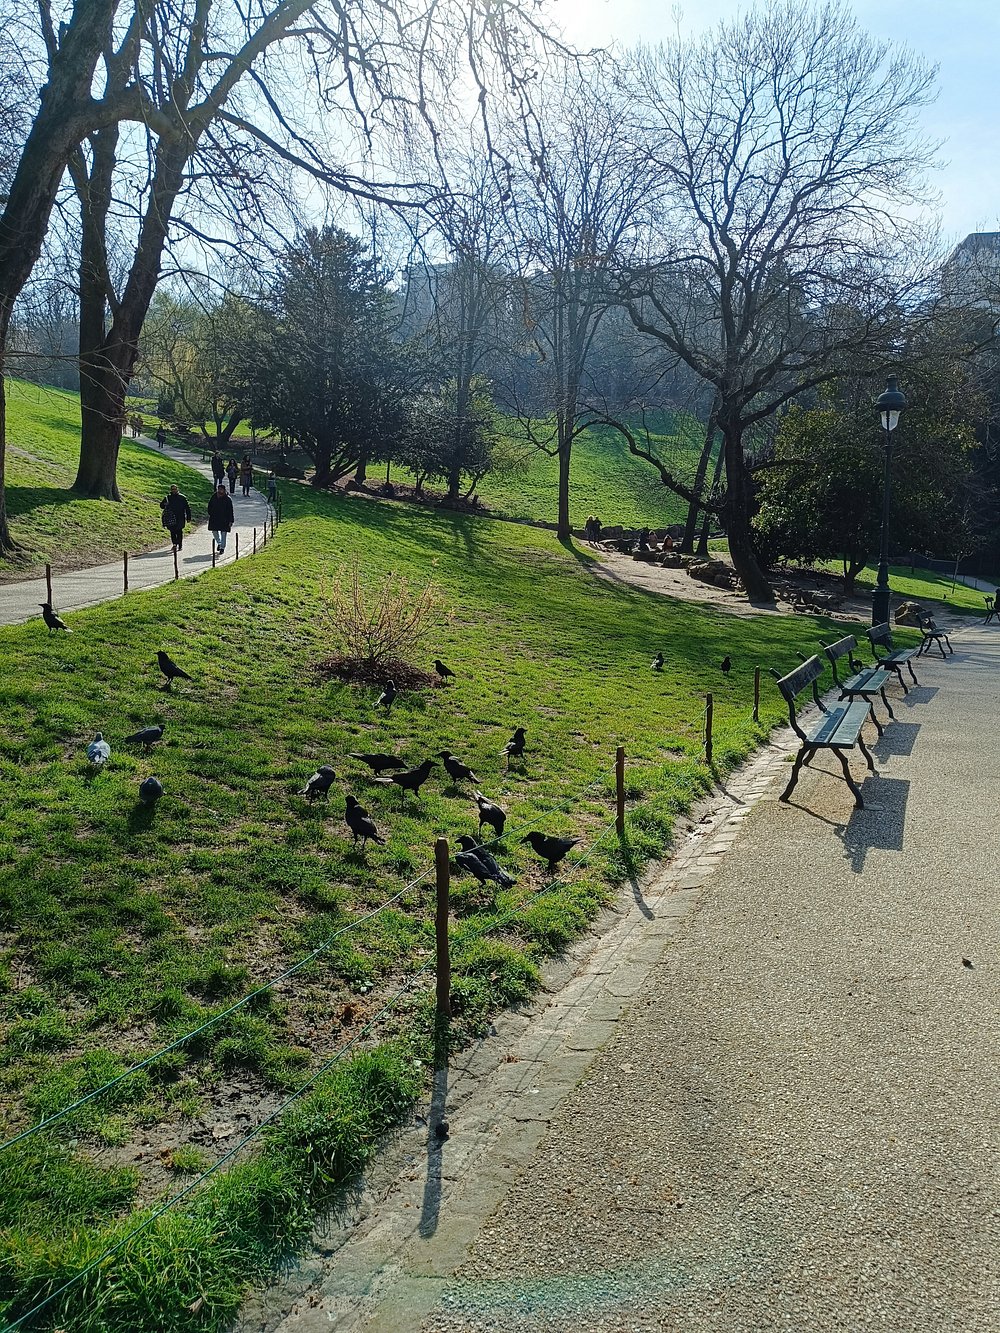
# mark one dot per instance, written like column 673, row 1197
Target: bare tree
column 791, row 170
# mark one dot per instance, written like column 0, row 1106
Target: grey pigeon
column 99, row 751
column 386, row 698
column 150, row 791
column 361, row 823
column 549, row 848
column 443, row 671
column 148, row 736
column 410, row 779
column 320, row 783
column 657, row 663
column 378, row 763
column 456, row 770
column 52, row 620
column 514, row 749
column 493, row 868
column 170, row 669
column 490, row 813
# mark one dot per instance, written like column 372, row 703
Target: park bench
column 933, row 636
column 865, row 681
column 838, row 729
column 893, row 659
column 992, row 610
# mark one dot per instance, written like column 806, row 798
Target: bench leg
column 901, row 678
column 941, row 649
column 909, row 667
column 864, row 750
column 803, row 756
column 872, row 717
column 858, row 802
column 888, row 706
column 948, row 642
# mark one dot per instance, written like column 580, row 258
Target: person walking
column 272, row 489
column 232, row 472
column 176, row 512
column 246, row 474
column 220, row 517
column 218, row 469
column 161, row 436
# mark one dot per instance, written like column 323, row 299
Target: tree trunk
column 706, row 522
column 7, row 543
column 738, row 517
column 565, row 422
column 694, row 507
column 361, row 471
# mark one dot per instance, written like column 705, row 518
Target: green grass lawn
column 919, row 585
column 121, row 929
column 52, row 525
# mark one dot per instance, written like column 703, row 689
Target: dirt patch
column 358, row 671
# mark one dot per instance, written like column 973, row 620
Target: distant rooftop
column 977, row 242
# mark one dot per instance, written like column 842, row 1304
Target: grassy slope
column 923, row 585
column 121, row 930
column 47, row 520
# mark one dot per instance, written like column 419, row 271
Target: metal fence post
column 709, row 710
column 237, row 545
column 48, row 583
column 756, row 694
column 124, row 572
column 620, row 789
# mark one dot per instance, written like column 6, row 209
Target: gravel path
column 796, row 1125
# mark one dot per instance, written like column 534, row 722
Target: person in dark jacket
column 161, row 437
column 218, row 468
column 232, row 472
column 246, row 474
column 176, row 512
column 220, row 517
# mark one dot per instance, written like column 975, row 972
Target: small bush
column 381, row 624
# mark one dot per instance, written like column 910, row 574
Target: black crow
column 378, row 763
column 490, row 864
column 98, row 751
column 388, row 695
column 150, row 791
column 52, row 620
column 148, row 736
column 657, row 663
column 967, row 962
column 727, row 665
column 456, row 770
column 320, row 783
column 170, row 669
column 471, row 864
column 410, row 779
column 514, row 749
column 360, row 823
column 490, row 814
column 548, row 848
column 444, row 672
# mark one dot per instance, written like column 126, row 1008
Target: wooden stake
column 443, row 963
column 620, row 788
column 709, row 710
column 237, row 546
column 176, row 570
column 124, row 572
column 48, row 583
column 213, row 552
column 756, row 694
column 255, row 541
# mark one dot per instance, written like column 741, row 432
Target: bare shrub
column 379, row 624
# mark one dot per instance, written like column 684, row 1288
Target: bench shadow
column 431, row 1205
column 880, row 824
column 899, row 738
column 919, row 694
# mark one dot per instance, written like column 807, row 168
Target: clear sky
column 961, row 36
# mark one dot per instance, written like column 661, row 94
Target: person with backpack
column 176, row 512
column 218, row 469
column 220, row 517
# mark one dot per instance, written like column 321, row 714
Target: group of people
column 135, row 424
column 233, row 470
column 592, row 528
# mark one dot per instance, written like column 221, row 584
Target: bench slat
column 841, row 726
column 796, row 681
column 870, row 680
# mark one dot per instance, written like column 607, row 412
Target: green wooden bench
column 992, row 610
column 838, row 729
column 933, row 637
column 893, row 659
column 866, row 680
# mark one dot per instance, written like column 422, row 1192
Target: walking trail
column 102, row 583
column 767, row 1099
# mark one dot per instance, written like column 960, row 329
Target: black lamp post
column 888, row 405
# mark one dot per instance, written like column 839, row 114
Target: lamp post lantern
column 888, row 405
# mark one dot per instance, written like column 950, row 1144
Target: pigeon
column 444, row 672
column 99, row 751
column 967, row 962
column 726, row 665
column 657, row 663
column 148, row 736
column 494, row 870
column 170, row 669
column 320, row 783
column 52, row 620
column 490, row 814
column 455, row 769
column 150, row 791
column 360, row 823
column 514, row 749
column 388, row 695
column 548, row 848
column 410, row 779
column 378, row 763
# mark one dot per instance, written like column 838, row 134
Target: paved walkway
column 770, row 1100
column 101, row 583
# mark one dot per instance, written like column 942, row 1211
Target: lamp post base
column 880, row 604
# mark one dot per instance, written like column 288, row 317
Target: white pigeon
column 98, row 751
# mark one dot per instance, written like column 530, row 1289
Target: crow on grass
column 456, row 770
column 361, row 824
column 471, row 864
column 52, row 620
column 320, row 783
column 514, row 749
column 378, row 763
column 490, row 813
column 388, row 695
column 170, row 669
column 727, row 665
column 657, row 663
column 443, row 671
column 549, row 848
column 410, row 779
column 494, row 870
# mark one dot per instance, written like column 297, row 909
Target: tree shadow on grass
column 23, row 500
